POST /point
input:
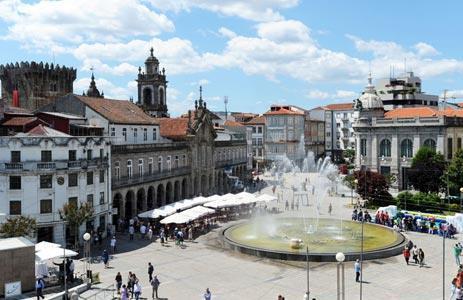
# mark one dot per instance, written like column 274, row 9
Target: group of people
column 416, row 253
column 133, row 288
column 359, row 215
column 457, row 284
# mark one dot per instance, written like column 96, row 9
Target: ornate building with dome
column 387, row 140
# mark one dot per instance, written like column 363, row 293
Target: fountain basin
column 287, row 239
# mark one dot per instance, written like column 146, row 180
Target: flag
column 15, row 98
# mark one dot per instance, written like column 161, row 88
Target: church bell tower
column 152, row 85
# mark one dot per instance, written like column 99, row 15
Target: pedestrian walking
column 150, row 271
column 143, row 231
column 118, row 282
column 124, row 293
column 130, row 282
column 105, row 258
column 137, row 290
column 286, row 205
column 150, row 233
column 330, row 209
column 207, row 295
column 39, row 286
column 406, row 254
column 357, row 270
column 457, row 252
column 415, row 254
column 113, row 244
column 421, row 257
column 131, row 232
column 155, row 285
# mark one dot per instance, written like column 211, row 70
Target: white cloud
column 111, row 90
column 454, row 94
column 225, row 32
column 338, row 95
column 44, row 24
column 262, row 10
column 284, row 31
column 424, row 49
column 201, row 82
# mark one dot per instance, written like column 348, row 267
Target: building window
column 160, row 164
column 117, row 170
column 15, row 208
column 113, row 131
column 406, row 148
column 124, row 134
column 46, row 181
column 46, row 156
column 176, row 162
column 101, row 153
column 449, row 148
column 145, row 134
column 103, row 222
column 259, row 129
column 385, row 148
column 15, row 182
column 101, row 176
column 15, row 156
column 150, row 166
column 184, row 160
column 430, row 143
column 168, row 163
column 253, row 129
column 45, row 206
column 129, row 168
column 154, row 134
column 89, row 178
column 90, row 199
column 72, row 155
column 101, row 198
column 89, row 154
column 72, row 201
column 72, row 179
column 140, row 167
column 363, row 147
column 135, row 134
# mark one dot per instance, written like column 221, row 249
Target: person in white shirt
column 131, row 232
column 113, row 244
column 143, row 231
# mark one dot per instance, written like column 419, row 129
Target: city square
column 235, row 149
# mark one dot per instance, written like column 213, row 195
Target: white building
column 43, row 169
column 258, row 129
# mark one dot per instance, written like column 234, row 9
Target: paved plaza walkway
column 186, row 272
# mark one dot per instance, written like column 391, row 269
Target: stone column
column 357, row 151
column 440, row 146
column 374, row 153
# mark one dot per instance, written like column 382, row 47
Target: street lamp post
column 356, row 181
column 307, row 294
column 340, row 257
column 87, row 237
column 461, row 196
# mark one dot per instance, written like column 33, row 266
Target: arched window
column 129, row 169
column 385, row 148
column 406, row 148
column 168, row 163
column 147, row 96
column 161, row 96
column 160, row 164
column 430, row 143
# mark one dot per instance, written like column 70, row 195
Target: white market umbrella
column 266, row 198
column 54, row 253
column 45, row 246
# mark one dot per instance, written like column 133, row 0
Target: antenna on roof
column 225, row 101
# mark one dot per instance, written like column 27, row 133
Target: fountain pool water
column 331, row 236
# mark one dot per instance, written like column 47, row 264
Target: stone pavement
column 186, row 272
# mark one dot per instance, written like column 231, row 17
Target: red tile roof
column 284, row 111
column 423, row 112
column 41, row 130
column 173, row 128
column 118, row 111
column 256, row 120
column 340, row 106
column 232, row 124
column 20, row 121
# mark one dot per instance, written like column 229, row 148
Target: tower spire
column 151, row 51
column 200, row 96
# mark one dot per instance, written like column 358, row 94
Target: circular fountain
column 310, row 182
column 288, row 239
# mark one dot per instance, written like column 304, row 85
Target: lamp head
column 461, row 190
column 340, row 257
column 86, row 236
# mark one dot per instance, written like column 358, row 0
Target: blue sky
column 257, row 53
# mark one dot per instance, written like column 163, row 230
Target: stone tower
column 36, row 84
column 152, row 85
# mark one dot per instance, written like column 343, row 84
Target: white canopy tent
column 45, row 246
column 188, row 215
column 170, row 209
column 230, row 200
column 55, row 252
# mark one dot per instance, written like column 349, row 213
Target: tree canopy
column 76, row 215
column 18, row 226
column 426, row 170
column 373, row 187
column 454, row 174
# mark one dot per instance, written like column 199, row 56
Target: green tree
column 454, row 174
column 18, row 226
column 373, row 187
column 426, row 171
column 75, row 216
column 349, row 155
column 404, row 199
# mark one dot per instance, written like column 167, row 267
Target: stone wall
column 18, row 264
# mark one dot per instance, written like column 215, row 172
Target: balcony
column 13, row 166
column 74, row 164
column 28, row 166
column 134, row 180
column 46, row 166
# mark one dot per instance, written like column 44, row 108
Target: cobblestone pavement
column 186, row 272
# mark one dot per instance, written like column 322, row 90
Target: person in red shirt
column 406, row 254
